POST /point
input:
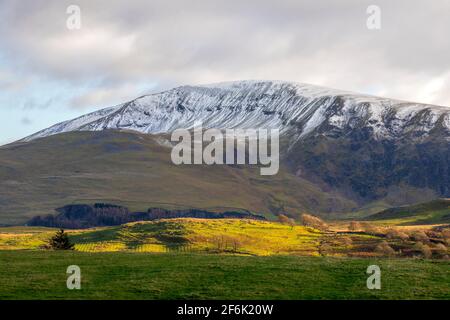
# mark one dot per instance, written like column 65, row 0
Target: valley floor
column 121, row 275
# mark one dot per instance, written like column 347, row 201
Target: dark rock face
column 356, row 163
column 80, row 216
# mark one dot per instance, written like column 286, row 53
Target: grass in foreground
column 120, row 275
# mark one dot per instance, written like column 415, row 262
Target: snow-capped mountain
column 299, row 109
column 339, row 151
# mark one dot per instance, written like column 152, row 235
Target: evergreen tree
column 60, row 241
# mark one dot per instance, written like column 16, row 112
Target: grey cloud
column 25, row 121
column 178, row 42
column 31, row 103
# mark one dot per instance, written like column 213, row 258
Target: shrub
column 385, row 249
column 441, row 249
column 446, row 235
column 354, row 226
column 347, row 241
column 60, row 241
column 313, row 222
column 423, row 249
column 286, row 220
column 371, row 229
column 396, row 234
column 419, row 236
column 325, row 248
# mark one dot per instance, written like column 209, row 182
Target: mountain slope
column 340, row 151
column 135, row 170
column 366, row 169
column 433, row 212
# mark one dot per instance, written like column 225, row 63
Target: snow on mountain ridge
column 293, row 107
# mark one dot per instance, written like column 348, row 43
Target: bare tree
column 286, row 220
column 419, row 235
column 441, row 249
column 235, row 245
column 385, row 249
column 354, row 226
column 314, row 222
column 396, row 234
column 371, row 228
column 347, row 241
column 423, row 249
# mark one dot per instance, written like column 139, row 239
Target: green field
column 42, row 275
column 190, row 258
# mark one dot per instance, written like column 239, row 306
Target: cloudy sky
column 50, row 73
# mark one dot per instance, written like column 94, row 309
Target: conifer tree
column 60, row 241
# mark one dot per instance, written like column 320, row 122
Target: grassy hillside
column 214, row 236
column 178, row 235
column 240, row 237
column 433, row 212
column 42, row 275
column 135, row 170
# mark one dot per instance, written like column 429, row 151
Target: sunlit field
column 244, row 237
